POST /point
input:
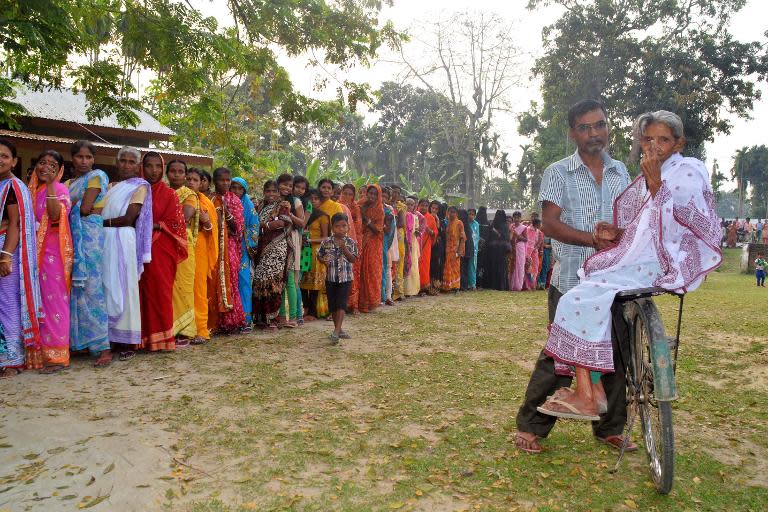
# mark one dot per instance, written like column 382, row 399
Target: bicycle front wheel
column 655, row 416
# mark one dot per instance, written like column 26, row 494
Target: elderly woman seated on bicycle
column 669, row 237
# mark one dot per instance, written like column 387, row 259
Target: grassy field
column 417, row 413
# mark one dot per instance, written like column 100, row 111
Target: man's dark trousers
column 545, row 382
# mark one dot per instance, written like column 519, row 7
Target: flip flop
column 562, row 409
column 126, row 356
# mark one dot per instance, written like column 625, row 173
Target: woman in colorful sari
column 411, row 277
column 271, row 257
column 54, row 260
column 313, row 281
column 329, row 207
column 226, row 313
column 546, row 263
column 293, row 205
column 474, row 234
column 517, row 235
column 388, row 243
column 300, row 191
column 127, row 218
column 371, row 266
column 184, row 326
column 89, row 325
column 206, row 255
column 239, row 187
column 498, row 247
column 733, row 233
column 531, row 256
column 428, row 236
column 19, row 286
column 668, row 236
column 455, row 245
column 348, row 194
column 169, row 249
column 436, row 266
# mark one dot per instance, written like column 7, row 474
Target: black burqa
column 497, row 248
column 485, row 229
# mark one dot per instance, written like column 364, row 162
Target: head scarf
column 500, row 224
column 374, row 212
column 482, row 216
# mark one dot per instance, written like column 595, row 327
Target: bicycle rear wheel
column 655, row 416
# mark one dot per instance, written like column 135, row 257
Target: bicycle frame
column 664, row 357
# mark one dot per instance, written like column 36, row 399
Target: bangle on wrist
column 6, row 253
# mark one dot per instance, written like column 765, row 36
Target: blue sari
column 21, row 309
column 89, row 325
column 250, row 242
column 474, row 226
column 388, row 238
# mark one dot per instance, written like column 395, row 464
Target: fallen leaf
column 109, row 468
column 396, row 505
column 630, row 504
column 91, row 481
column 54, row 451
column 95, row 501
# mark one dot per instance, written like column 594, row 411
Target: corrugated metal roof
column 65, row 105
column 65, row 140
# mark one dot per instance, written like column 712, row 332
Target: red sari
column 169, row 248
column 228, row 314
column 371, row 261
column 356, row 233
column 427, row 241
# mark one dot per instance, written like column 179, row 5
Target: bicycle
column 650, row 371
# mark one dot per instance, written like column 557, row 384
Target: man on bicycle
column 577, row 195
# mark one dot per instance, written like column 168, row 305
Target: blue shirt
column 570, row 185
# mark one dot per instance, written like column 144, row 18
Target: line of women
column 156, row 259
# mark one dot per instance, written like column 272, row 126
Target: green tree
column 199, row 68
column 638, row 57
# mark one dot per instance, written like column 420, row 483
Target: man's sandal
column 527, row 445
column 616, row 442
column 562, row 409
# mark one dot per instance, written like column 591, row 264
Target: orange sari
column 427, row 241
column 371, row 261
column 206, row 256
column 453, row 245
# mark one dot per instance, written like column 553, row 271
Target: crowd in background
column 743, row 231
column 167, row 256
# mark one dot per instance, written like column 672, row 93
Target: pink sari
column 54, row 258
column 517, row 276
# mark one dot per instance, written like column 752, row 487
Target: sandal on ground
column 198, row 340
column 562, row 409
column 389, row 302
column 616, row 442
column 334, row 338
column 7, row 373
column 126, row 355
column 182, row 342
column 526, row 445
column 247, row 329
column 343, row 335
column 287, row 325
column 310, row 318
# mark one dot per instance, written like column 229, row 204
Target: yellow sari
column 314, row 280
column 184, row 283
column 206, row 255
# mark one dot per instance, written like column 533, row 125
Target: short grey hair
column 644, row 120
column 129, row 150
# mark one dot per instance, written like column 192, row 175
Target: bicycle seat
column 641, row 293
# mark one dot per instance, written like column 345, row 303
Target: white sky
column 747, row 25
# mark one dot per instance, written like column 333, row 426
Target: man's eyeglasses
column 586, row 128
